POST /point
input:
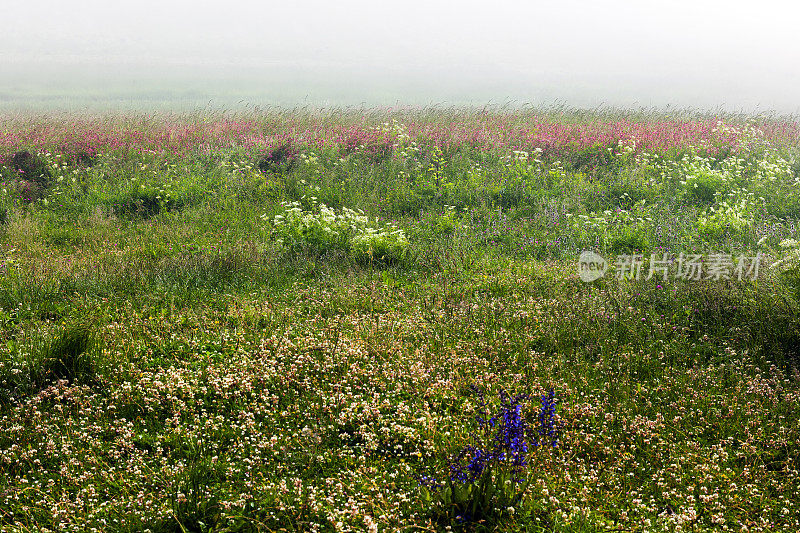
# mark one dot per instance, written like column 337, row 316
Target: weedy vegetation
column 373, row 320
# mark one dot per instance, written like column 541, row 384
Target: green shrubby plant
column 703, row 184
column 319, row 229
column 733, row 190
column 705, row 178
column 447, row 222
column 620, row 230
column 440, row 224
column 143, row 202
column 737, row 212
column 630, row 239
column 387, row 245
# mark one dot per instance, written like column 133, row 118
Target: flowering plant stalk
column 488, row 478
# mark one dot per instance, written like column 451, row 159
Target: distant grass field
column 373, row 320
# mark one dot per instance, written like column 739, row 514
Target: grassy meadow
column 373, row 320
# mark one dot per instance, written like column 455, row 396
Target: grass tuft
column 68, row 355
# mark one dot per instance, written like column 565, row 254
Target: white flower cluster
column 728, row 183
column 768, row 165
column 617, row 218
column 321, row 229
column 737, row 211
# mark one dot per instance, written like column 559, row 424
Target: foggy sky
column 700, row 54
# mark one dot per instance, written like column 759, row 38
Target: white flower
column 372, row 527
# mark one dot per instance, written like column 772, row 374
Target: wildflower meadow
column 376, row 320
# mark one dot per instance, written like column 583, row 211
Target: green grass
column 167, row 365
